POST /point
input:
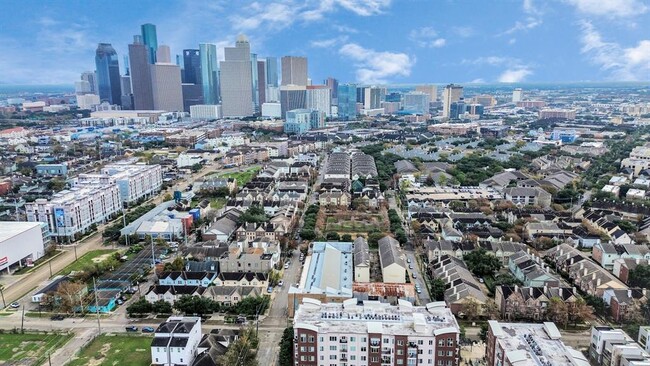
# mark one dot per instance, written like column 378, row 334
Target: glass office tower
column 150, row 40
column 209, row 73
column 108, row 74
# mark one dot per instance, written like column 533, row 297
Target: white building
column 87, row 101
column 21, row 243
column 517, row 95
column 272, row 109
column 205, row 111
column 319, row 98
column 176, row 341
column 134, row 181
column 374, row 333
column 611, row 346
column 73, row 211
column 237, row 80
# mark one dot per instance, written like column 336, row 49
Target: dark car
column 148, row 330
column 57, row 317
column 240, row 320
column 131, row 328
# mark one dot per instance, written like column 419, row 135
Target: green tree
column 286, row 347
column 178, row 264
column 243, row 350
column 332, row 235
column 255, row 213
column 139, row 307
column 483, row 333
column 438, row 288
column 346, row 237
column 161, row 307
column 373, row 239
column 482, row 263
column 191, row 305
column 640, row 276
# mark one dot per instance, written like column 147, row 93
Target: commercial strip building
column 529, row 344
column 21, row 243
column 374, row 333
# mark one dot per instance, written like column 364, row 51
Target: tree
column 161, row 307
column 597, row 304
column 471, row 309
column 255, row 214
column 346, row 237
column 491, row 310
column 373, row 239
column 56, row 184
column 333, row 235
column 581, row 312
column 194, row 305
column 178, row 264
column 640, row 276
column 243, row 350
column 483, row 333
column 139, row 307
column 69, row 293
column 482, row 263
column 438, row 288
column 558, row 311
column 286, row 347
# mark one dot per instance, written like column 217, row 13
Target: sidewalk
column 64, row 355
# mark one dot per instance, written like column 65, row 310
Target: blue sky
column 367, row 41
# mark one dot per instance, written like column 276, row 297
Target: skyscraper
column 333, row 84
column 347, row 99
column 150, row 40
column 319, row 98
column 108, row 74
column 167, row 87
column 261, row 77
column 272, row 71
column 127, row 95
column 255, row 83
column 292, row 97
column 140, row 75
column 209, row 73
column 89, row 76
column 517, row 95
column 237, row 80
column 192, row 63
column 416, row 102
column 164, row 54
column 431, row 90
column 452, row 93
column 372, row 97
column 294, row 70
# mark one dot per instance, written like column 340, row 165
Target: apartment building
column 134, row 181
column 176, row 341
column 74, row 211
column 363, row 166
column 611, row 346
column 373, row 333
column 538, row 344
column 338, row 166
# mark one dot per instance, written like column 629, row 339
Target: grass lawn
column 217, row 203
column 123, row 350
column 84, row 260
column 29, row 348
column 242, row 177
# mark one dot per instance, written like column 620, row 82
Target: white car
column 286, row 266
column 280, row 283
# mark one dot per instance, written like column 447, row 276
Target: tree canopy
column 482, row 263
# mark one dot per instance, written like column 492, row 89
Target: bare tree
column 69, row 294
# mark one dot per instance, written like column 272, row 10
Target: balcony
column 413, row 345
column 387, row 351
column 343, row 340
column 375, row 343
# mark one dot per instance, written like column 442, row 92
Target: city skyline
column 366, row 42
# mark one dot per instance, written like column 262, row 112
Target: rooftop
column 9, row 229
column 375, row 317
column 330, row 269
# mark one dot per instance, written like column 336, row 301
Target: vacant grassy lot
column 217, row 203
column 358, row 223
column 86, row 259
column 242, row 177
column 123, row 350
column 29, row 348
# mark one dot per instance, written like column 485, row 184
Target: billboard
column 59, row 217
column 4, row 260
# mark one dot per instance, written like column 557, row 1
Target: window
column 363, row 358
column 303, row 349
column 420, row 342
column 332, row 357
column 332, row 339
column 311, row 339
column 441, row 353
column 400, row 342
column 430, row 351
column 450, row 353
column 364, row 349
column 400, row 352
column 430, row 342
column 430, row 361
column 322, row 358
column 312, row 349
column 441, row 342
column 181, row 360
column 320, row 339
column 386, row 340
column 353, row 357
column 332, row 348
column 400, row 361
column 353, row 348
column 352, row 339
column 321, row 348
column 450, row 342
column 363, row 339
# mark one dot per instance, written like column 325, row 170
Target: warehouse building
column 21, row 243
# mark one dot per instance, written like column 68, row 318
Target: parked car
column 148, row 330
column 270, row 289
column 410, row 266
column 240, row 320
column 57, row 317
column 120, row 301
column 14, row 305
column 131, row 328
column 408, row 260
column 286, row 265
column 280, row 283
column 418, row 290
column 414, row 276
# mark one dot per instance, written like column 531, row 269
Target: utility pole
column 50, row 263
column 153, row 255
column 124, row 223
column 75, row 252
column 22, row 321
column 99, row 326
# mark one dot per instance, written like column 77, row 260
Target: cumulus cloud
column 610, row 8
column 327, row 43
column 377, row 67
column 514, row 75
column 621, row 64
column 533, row 18
column 426, row 37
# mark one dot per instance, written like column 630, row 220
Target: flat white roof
column 9, row 229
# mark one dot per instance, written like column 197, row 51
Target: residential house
column 242, row 279
column 625, row 304
column 607, row 253
column 232, row 295
column 461, row 285
column 335, row 198
column 184, row 278
column 260, row 255
column 623, row 266
column 393, row 266
column 224, row 227
column 531, row 271
column 172, row 293
column 361, row 260
column 530, row 303
column 522, row 196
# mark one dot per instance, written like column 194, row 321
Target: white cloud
column 426, row 37
column 610, row 8
column 377, row 67
column 514, row 75
column 477, row 81
column 622, row 64
column 532, row 20
column 274, row 15
column 463, row 32
column 327, row 43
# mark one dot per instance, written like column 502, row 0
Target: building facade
column 237, row 80
column 294, row 70
column 108, row 74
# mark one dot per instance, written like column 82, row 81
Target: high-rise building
column 372, row 97
column 237, row 80
column 298, row 121
column 140, row 75
column 261, row 79
column 89, row 76
column 452, row 93
column 294, row 70
column 517, row 95
column 374, row 333
column 150, row 39
column 347, row 99
column 167, row 87
column 333, row 84
column 164, row 55
column 209, row 73
column 127, row 94
column 319, row 98
column 108, row 74
column 485, row 100
column 255, row 83
column 192, row 66
column 125, row 59
column 81, row 87
column 456, row 109
column 292, row 97
column 192, row 95
column 430, row 89
column 416, row 102
column 272, row 71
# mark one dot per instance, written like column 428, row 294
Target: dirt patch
column 99, row 358
column 101, row 258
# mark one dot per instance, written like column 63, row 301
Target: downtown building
column 294, row 71
column 237, row 80
column 375, row 334
column 452, row 93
